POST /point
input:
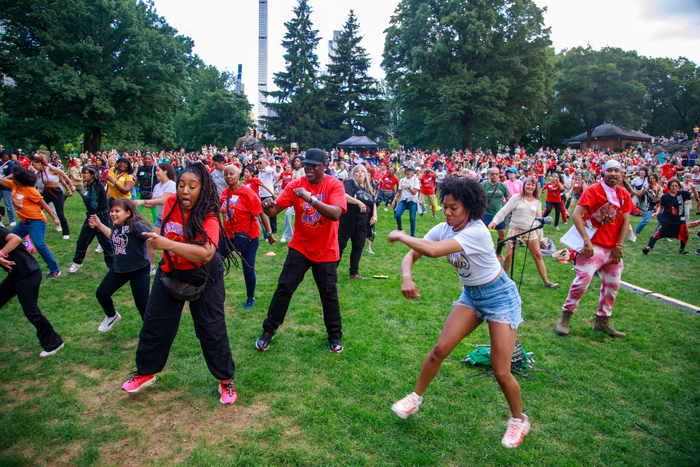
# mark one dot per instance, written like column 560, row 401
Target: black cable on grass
column 557, row 378
column 642, row 426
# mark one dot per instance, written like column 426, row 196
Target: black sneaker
column 697, row 252
column 249, row 303
column 646, row 250
column 264, row 341
column 336, row 345
column 683, row 252
column 53, row 274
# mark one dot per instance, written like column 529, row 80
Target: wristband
column 620, row 245
column 3, row 254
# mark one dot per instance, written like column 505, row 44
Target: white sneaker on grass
column 516, row 431
column 74, row 267
column 109, row 322
column 99, row 249
column 49, row 353
column 407, row 406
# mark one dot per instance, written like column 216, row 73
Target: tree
column 103, row 67
column 673, row 88
column 298, row 104
column 601, row 86
column 467, row 69
column 354, row 99
column 212, row 113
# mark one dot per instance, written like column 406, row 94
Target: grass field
column 301, row 405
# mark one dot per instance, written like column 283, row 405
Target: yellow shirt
column 121, row 180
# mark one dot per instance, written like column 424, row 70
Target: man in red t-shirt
column 427, row 191
column 318, row 201
column 608, row 207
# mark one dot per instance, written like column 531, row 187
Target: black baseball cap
column 315, row 156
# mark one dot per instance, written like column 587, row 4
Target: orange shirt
column 26, row 202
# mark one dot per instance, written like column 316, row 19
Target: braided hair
column 207, row 205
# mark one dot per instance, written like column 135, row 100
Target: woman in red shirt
column 239, row 207
column 190, row 233
column 553, row 200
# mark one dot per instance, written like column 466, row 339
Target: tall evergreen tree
column 297, row 106
column 354, row 102
column 462, row 69
column 103, row 67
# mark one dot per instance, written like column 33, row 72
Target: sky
column 225, row 32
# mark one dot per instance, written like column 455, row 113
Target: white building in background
column 262, row 58
column 332, row 44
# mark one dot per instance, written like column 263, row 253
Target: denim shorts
column 497, row 302
column 158, row 222
column 487, row 220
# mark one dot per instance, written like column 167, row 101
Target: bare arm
column 46, row 208
column 426, row 247
column 95, row 222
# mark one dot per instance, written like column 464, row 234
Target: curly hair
column 207, row 205
column 468, row 191
column 92, row 170
column 23, row 177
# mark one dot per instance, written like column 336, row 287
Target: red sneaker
column 138, row 382
column 228, row 393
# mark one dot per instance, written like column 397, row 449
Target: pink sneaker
column 516, row 431
column 138, row 382
column 228, row 393
column 407, row 406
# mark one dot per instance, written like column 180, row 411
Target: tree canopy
column 104, row 67
column 467, row 69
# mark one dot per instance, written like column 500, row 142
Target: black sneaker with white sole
column 263, row 342
column 335, row 344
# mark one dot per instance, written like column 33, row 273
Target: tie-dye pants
column 609, row 272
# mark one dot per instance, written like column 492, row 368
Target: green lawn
column 299, row 404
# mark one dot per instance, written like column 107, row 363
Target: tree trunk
column 92, row 140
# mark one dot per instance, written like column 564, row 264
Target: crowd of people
column 211, row 208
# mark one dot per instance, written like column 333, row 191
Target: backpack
column 481, row 356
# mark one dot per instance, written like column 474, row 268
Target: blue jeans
column 412, row 207
column 248, row 262
column 36, row 229
column 9, row 207
column 288, row 229
column 645, row 220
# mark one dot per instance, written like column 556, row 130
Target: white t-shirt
column 267, row 176
column 476, row 264
column 159, row 189
column 405, row 184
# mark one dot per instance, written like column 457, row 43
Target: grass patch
column 302, row 405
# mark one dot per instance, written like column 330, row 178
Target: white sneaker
column 74, row 267
column 13, row 223
column 386, row 209
column 284, row 239
column 45, row 353
column 99, row 249
column 516, row 431
column 407, row 406
column 153, row 270
column 369, row 250
column 59, row 229
column 66, row 237
column 108, row 323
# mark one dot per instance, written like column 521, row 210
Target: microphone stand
column 513, row 237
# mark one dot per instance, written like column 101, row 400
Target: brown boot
column 563, row 323
column 602, row 324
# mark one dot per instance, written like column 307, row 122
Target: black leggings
column 55, row 195
column 140, row 281
column 27, row 291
